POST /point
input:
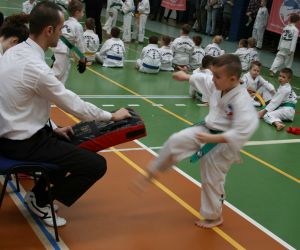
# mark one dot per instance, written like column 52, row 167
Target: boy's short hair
column 186, row 29
column 244, row 43
column 256, row 63
column 75, row 5
column 217, row 39
column 288, row 72
column 153, row 40
column 294, row 18
column 90, row 23
column 207, row 61
column 231, row 62
column 115, row 32
column 251, row 42
column 166, row 40
column 197, row 40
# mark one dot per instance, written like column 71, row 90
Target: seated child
column 166, row 54
column 150, row 59
column 112, row 52
column 254, row 82
column 282, row 106
column 198, row 53
column 91, row 41
column 253, row 54
column 243, row 53
column 213, row 49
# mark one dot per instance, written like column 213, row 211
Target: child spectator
column 113, row 51
column 91, row 41
column 166, row 54
column 142, row 15
column 260, row 23
column 150, row 59
column 73, row 32
column 183, row 47
column 253, row 55
column 282, row 106
column 243, row 53
column 287, row 45
column 198, row 53
column 113, row 7
column 128, row 11
column 27, row 6
column 254, row 82
column 213, row 49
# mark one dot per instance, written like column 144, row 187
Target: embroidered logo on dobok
column 229, row 111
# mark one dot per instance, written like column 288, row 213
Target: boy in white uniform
column 260, row 23
column 253, row 54
column 91, row 40
column 128, row 11
column 254, row 82
column 183, row 47
column 150, row 59
column 73, row 32
column 287, row 45
column 230, row 123
column 213, row 49
column 27, row 6
column 112, row 52
column 282, row 106
column 166, row 54
column 198, row 53
column 141, row 19
column 243, row 53
column 113, row 7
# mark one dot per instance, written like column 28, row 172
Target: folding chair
column 10, row 167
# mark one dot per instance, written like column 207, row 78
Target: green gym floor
column 264, row 187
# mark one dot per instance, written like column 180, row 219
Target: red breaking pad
column 293, row 130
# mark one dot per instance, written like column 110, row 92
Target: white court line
column 108, row 105
column 133, row 105
column 180, row 105
column 9, row 8
column 130, row 61
column 134, row 96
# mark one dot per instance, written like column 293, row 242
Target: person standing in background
column 227, row 12
column 260, row 24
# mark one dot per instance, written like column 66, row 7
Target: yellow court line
column 170, row 193
column 190, row 123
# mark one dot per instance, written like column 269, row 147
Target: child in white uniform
column 230, row 123
column 253, row 54
column 282, row 106
column 260, row 23
column 73, row 32
column 112, row 52
column 27, row 6
column 166, row 54
column 91, row 40
column 141, row 19
column 150, row 59
column 113, row 7
column 287, row 45
column 198, row 53
column 128, row 11
column 243, row 53
column 214, row 49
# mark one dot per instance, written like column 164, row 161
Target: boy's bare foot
column 209, row 223
column 279, row 125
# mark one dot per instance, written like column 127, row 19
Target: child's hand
column 181, row 76
column 204, row 137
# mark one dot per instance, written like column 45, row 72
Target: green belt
column 72, row 47
column 288, row 104
column 207, row 147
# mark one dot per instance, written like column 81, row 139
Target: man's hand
column 81, row 66
column 120, row 114
column 64, row 132
column 181, row 76
column 262, row 113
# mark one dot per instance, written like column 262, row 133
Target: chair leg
column 4, row 188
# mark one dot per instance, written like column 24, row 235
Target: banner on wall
column 174, row 4
column 280, row 14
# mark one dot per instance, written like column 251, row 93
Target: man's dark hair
column 288, row 72
column 153, row 40
column 115, row 32
column 42, row 15
column 231, row 62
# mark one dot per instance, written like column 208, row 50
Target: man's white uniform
column 260, row 24
column 282, row 105
column 166, row 58
column 91, row 44
column 243, row 54
column 113, row 6
column 73, row 31
column 253, row 55
column 140, row 22
column 214, row 50
column 27, row 7
column 182, row 48
column 260, row 85
column 231, row 113
column 196, row 57
column 286, row 47
column 112, row 53
column 150, row 59
column 128, row 11
column 204, row 77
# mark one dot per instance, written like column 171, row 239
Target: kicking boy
column 150, row 59
column 243, row 53
column 282, row 106
column 113, row 7
column 230, row 123
column 198, row 53
column 287, row 45
column 91, row 40
column 141, row 19
column 166, row 54
column 113, row 51
column 214, row 49
column 73, row 32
